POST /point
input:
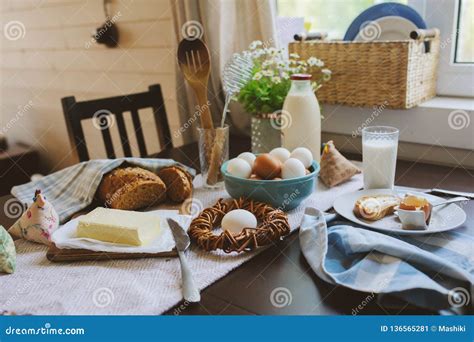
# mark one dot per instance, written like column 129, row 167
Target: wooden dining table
column 247, row 289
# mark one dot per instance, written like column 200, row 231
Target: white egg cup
column 412, row 219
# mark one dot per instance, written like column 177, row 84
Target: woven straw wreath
column 273, row 225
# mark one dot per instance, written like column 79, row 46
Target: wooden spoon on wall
column 195, row 63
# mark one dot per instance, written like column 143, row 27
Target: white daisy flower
column 267, row 63
column 255, row 44
column 294, row 55
column 268, row 73
column 272, row 51
column 257, row 76
column 276, row 79
column 313, row 61
column 326, row 74
column 285, row 75
column 257, row 53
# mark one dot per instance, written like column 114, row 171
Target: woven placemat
column 127, row 287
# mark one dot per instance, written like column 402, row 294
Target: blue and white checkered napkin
column 72, row 189
column 432, row 271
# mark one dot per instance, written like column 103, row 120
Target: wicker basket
column 396, row 74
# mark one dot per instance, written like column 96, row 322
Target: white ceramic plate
column 65, row 237
column 443, row 218
column 386, row 28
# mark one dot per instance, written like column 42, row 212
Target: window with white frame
column 454, row 18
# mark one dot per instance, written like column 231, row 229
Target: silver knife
column 437, row 191
column 181, row 238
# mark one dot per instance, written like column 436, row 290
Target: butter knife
column 181, row 238
column 437, row 191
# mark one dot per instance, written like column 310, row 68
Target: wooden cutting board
column 55, row 254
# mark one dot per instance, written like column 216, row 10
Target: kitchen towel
column 432, row 271
column 131, row 287
column 72, row 189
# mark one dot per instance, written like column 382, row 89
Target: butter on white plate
column 119, row 226
column 66, row 236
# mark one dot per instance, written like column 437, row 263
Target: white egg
column 239, row 168
column 303, row 155
column 248, row 157
column 238, row 219
column 292, row 168
column 280, row 153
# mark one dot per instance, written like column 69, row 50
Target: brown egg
column 266, row 166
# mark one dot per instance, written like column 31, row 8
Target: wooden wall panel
column 133, row 35
column 56, row 57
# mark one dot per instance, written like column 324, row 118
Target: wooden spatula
column 195, row 63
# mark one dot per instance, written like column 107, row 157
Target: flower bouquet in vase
column 263, row 95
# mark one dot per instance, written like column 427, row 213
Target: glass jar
column 213, row 152
column 265, row 132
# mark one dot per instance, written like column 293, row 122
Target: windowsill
column 451, row 103
column 426, row 124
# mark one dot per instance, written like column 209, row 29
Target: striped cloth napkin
column 431, row 271
column 73, row 188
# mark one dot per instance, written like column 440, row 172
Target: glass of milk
column 379, row 156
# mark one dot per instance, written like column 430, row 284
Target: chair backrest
column 107, row 110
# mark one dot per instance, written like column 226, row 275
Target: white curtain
column 228, row 26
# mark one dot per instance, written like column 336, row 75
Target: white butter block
column 119, row 226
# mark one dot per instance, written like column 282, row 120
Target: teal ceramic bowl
column 285, row 194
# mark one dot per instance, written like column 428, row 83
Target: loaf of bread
column 131, row 188
column 373, row 208
column 179, row 183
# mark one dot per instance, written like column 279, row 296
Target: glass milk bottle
column 302, row 127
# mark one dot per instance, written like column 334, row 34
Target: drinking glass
column 213, row 152
column 379, row 156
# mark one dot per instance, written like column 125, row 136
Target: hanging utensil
column 237, row 72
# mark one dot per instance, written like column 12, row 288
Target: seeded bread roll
column 131, row 188
column 179, row 183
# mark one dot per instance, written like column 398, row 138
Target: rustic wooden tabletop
column 247, row 289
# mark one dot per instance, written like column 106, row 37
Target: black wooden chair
column 107, row 110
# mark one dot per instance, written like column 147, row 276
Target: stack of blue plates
column 387, row 21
